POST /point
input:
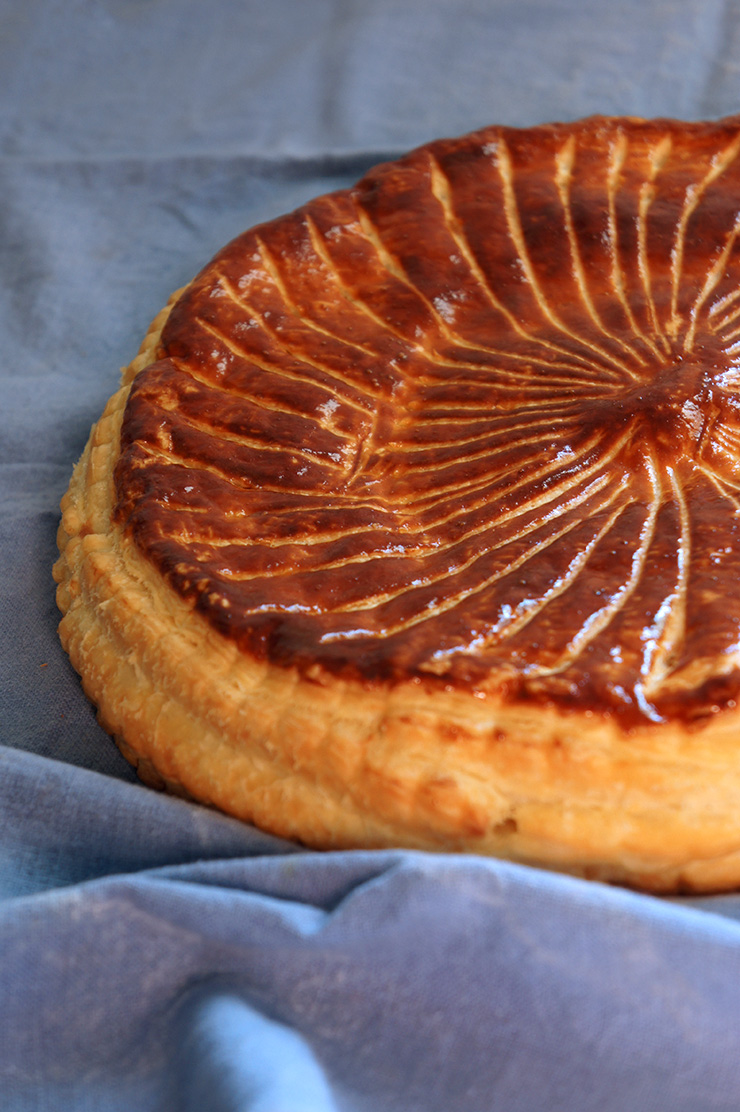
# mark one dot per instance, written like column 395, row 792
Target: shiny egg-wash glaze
column 474, row 421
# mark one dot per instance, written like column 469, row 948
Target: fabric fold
column 386, row 970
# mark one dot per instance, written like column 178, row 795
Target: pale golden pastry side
column 309, row 578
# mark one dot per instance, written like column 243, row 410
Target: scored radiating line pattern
column 475, row 420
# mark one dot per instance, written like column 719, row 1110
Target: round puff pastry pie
column 416, row 520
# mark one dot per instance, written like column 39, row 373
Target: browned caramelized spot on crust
column 476, row 420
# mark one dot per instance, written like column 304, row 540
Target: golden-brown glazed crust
column 416, row 520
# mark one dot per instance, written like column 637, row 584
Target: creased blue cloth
column 158, row 956
column 247, row 975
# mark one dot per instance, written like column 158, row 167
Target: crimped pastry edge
column 337, row 765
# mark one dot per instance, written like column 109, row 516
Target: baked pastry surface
column 416, row 519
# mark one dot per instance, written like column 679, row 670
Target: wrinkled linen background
column 153, row 954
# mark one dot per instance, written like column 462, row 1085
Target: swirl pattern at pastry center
column 673, row 409
column 475, row 421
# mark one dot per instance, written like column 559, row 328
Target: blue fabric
column 155, row 955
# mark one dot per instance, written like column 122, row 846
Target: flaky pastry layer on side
column 338, row 764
